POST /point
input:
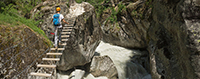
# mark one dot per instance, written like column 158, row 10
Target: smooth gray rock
column 79, row 74
column 89, row 76
column 103, row 66
column 124, row 60
column 76, row 74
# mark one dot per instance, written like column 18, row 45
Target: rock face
column 170, row 32
column 83, row 40
column 131, row 27
column 168, row 29
column 103, row 66
column 174, row 39
column 19, row 47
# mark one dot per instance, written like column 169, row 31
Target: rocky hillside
column 21, row 41
column 167, row 29
column 174, row 39
column 83, row 41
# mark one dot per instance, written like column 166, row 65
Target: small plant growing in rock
column 113, row 16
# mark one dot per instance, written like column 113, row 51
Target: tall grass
column 12, row 21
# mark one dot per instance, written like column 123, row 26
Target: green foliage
column 95, row 2
column 121, row 7
column 99, row 10
column 149, row 3
column 79, row 1
column 26, row 6
column 12, row 14
column 17, row 21
column 97, row 5
column 23, row 7
column 4, row 3
column 67, row 4
column 113, row 16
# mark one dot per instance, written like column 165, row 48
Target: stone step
column 64, row 36
column 54, row 54
column 51, row 59
column 46, row 66
column 40, row 74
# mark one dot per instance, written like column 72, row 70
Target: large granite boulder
column 103, row 66
column 131, row 25
column 83, row 40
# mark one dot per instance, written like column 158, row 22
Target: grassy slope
column 13, row 11
column 12, row 22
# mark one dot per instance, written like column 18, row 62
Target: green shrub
column 79, row 1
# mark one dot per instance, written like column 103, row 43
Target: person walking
column 57, row 20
